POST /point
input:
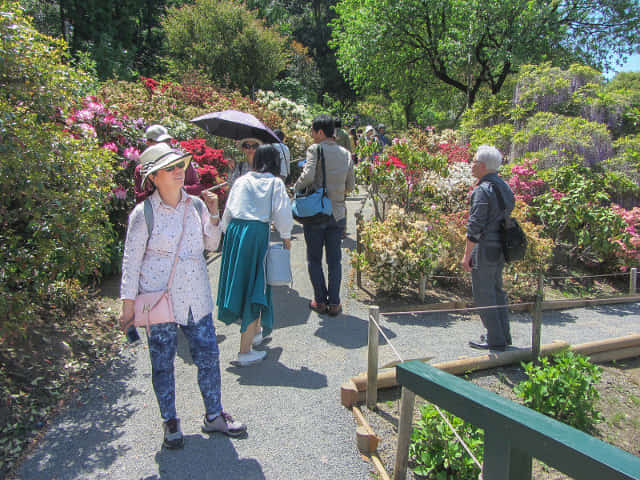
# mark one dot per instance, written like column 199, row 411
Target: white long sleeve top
column 261, row 197
column 147, row 261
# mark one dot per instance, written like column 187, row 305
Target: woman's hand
column 211, row 201
column 286, row 243
column 126, row 317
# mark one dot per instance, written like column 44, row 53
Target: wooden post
column 372, row 371
column 536, row 327
column 633, row 281
column 422, row 287
column 358, row 250
column 404, row 434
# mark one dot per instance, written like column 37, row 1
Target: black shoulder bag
column 512, row 237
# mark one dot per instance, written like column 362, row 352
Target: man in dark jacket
column 483, row 255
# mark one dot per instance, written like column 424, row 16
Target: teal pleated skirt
column 243, row 293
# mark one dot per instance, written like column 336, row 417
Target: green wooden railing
column 513, row 434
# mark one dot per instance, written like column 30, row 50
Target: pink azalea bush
column 630, row 244
column 525, row 183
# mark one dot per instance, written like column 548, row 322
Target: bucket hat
column 160, row 156
column 157, row 133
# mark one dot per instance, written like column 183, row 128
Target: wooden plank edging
column 353, row 392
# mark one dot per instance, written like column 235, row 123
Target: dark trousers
column 486, row 277
column 327, row 236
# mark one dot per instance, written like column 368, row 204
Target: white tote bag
column 278, row 266
column 277, row 261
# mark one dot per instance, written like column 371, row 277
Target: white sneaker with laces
column 250, row 358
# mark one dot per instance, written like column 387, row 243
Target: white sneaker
column 258, row 339
column 250, row 358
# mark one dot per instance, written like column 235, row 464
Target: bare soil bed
column 619, row 404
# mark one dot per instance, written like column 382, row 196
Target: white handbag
column 278, row 265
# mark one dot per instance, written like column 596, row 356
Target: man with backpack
column 491, row 202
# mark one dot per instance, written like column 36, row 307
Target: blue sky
column 632, row 65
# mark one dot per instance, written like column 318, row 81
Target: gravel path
column 297, row 428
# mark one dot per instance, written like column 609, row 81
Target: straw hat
column 160, row 156
column 157, row 133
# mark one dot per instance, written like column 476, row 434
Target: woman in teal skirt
column 256, row 199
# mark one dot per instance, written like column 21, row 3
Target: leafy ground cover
column 42, row 368
column 619, row 390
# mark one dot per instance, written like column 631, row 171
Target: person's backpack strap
column 148, row 211
column 148, row 215
column 199, row 204
column 498, row 195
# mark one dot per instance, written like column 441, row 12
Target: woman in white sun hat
column 155, row 236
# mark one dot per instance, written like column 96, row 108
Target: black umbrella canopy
column 236, row 125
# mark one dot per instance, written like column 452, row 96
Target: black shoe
column 485, row 346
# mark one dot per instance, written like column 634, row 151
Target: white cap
column 157, row 133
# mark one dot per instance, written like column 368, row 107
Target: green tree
column 309, row 22
column 123, row 37
column 225, row 41
column 471, row 44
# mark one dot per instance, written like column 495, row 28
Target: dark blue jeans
column 319, row 237
column 204, row 351
column 486, row 277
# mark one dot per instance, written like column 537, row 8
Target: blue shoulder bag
column 314, row 207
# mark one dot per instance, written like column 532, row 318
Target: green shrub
column 563, row 388
column 54, row 187
column 560, row 140
column 545, row 88
column 436, row 452
column 231, row 45
column 576, row 210
column 497, row 135
column 627, row 158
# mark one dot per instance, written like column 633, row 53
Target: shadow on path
column 205, row 458
column 86, row 442
column 289, row 307
column 348, row 331
column 273, row 373
column 431, row 319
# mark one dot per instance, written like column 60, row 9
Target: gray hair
column 490, row 156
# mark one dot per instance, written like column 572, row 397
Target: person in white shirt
column 177, row 221
column 256, row 199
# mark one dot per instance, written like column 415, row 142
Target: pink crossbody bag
column 155, row 307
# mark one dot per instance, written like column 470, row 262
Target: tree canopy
column 471, row 44
column 227, row 42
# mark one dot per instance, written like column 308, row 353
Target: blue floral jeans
column 203, row 345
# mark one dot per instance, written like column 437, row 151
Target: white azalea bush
column 397, row 251
column 449, row 193
column 297, row 116
column 297, row 119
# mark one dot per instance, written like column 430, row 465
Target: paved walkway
column 291, row 402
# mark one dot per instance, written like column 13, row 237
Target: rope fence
column 407, row 400
column 632, row 274
column 372, row 392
